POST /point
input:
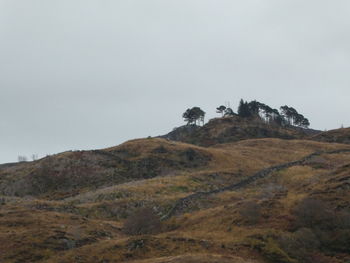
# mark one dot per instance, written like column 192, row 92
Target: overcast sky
column 83, row 74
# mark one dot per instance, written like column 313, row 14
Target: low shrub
column 313, row 213
column 331, row 227
column 300, row 244
column 143, row 221
column 250, row 211
column 270, row 247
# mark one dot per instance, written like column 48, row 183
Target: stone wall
column 186, row 202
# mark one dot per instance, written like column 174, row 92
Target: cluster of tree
column 286, row 116
column 194, row 115
column 292, row 117
column 225, row 111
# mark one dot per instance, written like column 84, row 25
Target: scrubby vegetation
column 253, row 119
column 317, row 233
column 143, row 221
column 242, row 189
column 250, row 212
column 335, row 136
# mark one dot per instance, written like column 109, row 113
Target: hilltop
column 233, row 190
column 235, row 128
column 253, row 120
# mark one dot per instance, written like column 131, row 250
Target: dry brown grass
column 336, row 136
column 28, row 235
column 196, row 258
column 214, row 233
column 140, row 148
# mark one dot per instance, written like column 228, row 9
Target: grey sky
column 82, row 74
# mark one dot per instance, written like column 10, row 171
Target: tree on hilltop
column 267, row 111
column 243, row 109
column 293, row 117
column 229, row 112
column 189, row 117
column 305, row 123
column 221, row 109
column 254, row 107
column 287, row 114
column 194, row 115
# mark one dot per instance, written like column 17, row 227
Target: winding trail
column 185, row 202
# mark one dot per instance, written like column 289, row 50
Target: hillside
column 69, row 173
column 338, row 136
column 240, row 200
column 235, row 128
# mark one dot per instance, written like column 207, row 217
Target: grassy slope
column 85, row 227
column 339, row 136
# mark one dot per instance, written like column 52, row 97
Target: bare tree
column 22, row 158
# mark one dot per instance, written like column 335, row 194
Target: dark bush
column 331, row 227
column 336, row 240
column 343, row 219
column 143, row 221
column 307, row 239
column 300, row 244
column 160, row 149
column 269, row 246
column 313, row 213
column 250, row 212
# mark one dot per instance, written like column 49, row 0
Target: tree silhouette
column 305, row 123
column 188, row 116
column 243, row 109
column 229, row 112
column 293, row 117
column 254, row 107
column 286, row 114
column 221, row 109
column 268, row 111
column 194, row 115
column 279, row 120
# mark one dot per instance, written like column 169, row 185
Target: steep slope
column 232, row 129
